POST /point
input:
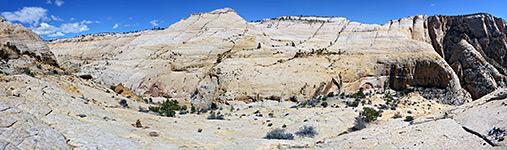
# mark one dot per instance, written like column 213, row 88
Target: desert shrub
column 192, row 109
column 370, row 114
column 330, row 94
column 396, row 116
column 124, row 103
column 497, row 133
column 219, row 59
column 271, row 115
column 388, row 98
column 279, row 134
column 324, row 104
column 307, row 131
column 284, row 126
column 112, row 87
column 259, row 46
column 409, row 118
column 215, row 116
column 358, row 124
column 360, row 93
column 383, row 106
column 168, row 108
column 354, row 103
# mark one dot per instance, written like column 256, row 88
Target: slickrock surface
column 276, row 73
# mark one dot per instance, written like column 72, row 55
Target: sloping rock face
column 25, row 40
column 223, row 58
column 22, row 51
column 475, row 47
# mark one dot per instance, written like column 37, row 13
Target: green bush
column 370, row 114
column 192, row 109
column 112, row 87
column 409, row 118
column 330, row 94
column 168, row 108
column 324, row 104
column 355, row 103
column 360, row 93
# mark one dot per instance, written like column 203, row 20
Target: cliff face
column 223, row 58
column 475, row 47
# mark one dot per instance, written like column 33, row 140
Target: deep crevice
column 479, row 135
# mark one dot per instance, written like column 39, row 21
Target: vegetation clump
column 215, row 116
column 279, row 134
column 168, row 108
column 359, row 124
column 354, row 103
column 192, row 109
column 370, row 114
column 307, row 131
column 360, row 93
column 396, row 116
column 112, row 87
column 408, row 119
column 330, row 94
column 497, row 133
column 324, row 104
column 124, row 103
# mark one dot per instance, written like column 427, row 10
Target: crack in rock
column 8, row 126
column 479, row 135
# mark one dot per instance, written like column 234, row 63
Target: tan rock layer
column 223, row 57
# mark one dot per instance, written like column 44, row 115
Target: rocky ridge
column 225, row 58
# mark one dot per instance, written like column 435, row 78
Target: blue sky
column 68, row 18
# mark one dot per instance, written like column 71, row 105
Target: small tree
column 259, row 46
